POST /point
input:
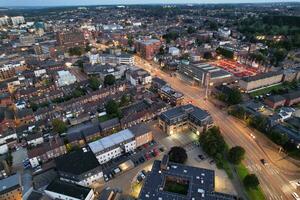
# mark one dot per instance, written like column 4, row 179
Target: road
column 275, row 182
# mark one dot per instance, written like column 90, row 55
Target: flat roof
column 262, row 76
column 111, row 140
column 201, row 183
column 68, row 189
column 77, row 162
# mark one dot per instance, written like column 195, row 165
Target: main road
column 275, row 181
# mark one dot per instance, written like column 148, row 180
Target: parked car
column 264, row 162
column 201, row 157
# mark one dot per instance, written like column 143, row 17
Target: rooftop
column 77, row 162
column 200, row 183
column 68, row 189
column 262, row 76
column 10, row 183
column 112, row 140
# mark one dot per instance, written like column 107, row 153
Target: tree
column 191, row 30
column 225, row 52
column 59, row 126
column 278, row 138
column 125, row 99
column 251, row 181
column 109, row 79
column 76, row 51
column 177, row 155
column 94, row 83
column 236, row 155
column 112, row 108
column 34, row 106
column 212, row 142
column 234, row 97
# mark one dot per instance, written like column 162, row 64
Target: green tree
column 112, row 109
column 236, row 155
column 234, row 97
column 125, row 99
column 207, row 55
column 191, row 30
column 177, row 155
column 76, row 51
column 34, row 106
column 278, row 138
column 94, row 83
column 251, row 181
column 109, row 79
column 59, row 126
column 212, row 142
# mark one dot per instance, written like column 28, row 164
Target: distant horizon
column 59, row 3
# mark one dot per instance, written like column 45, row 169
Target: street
column 275, row 181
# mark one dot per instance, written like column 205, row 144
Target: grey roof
column 140, row 129
column 183, row 113
column 110, row 141
column 262, row 76
column 77, row 162
column 276, row 98
column 197, row 71
column 200, row 181
column 68, row 189
column 10, row 183
column 109, row 124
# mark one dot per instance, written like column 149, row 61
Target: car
column 298, row 183
column 211, row 162
column 263, row 161
column 296, row 196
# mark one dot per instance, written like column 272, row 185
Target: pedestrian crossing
column 257, row 168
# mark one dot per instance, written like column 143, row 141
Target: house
column 292, row 98
column 170, row 95
column 46, row 151
column 80, row 167
column 275, row 101
column 142, row 133
column 138, row 77
column 35, row 139
column 24, row 116
column 182, row 118
column 67, row 191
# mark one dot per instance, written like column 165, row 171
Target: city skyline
column 16, row 3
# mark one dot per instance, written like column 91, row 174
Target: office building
column 170, row 95
column 183, row 118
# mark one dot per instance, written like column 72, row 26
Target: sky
column 7, row 3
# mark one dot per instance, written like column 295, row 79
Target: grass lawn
column 253, row 194
column 179, row 188
column 266, row 90
column 104, row 118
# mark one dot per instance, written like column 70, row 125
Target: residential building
column 147, row 48
column 170, row 95
column 124, row 141
column 46, row 151
column 275, row 101
column 70, row 39
column 113, row 146
column 11, row 188
column 251, row 83
column 27, row 40
column 67, row 191
column 174, row 51
column 292, row 98
column 4, row 21
column 183, row 118
column 65, row 78
column 197, row 183
column 79, row 167
column 17, row 20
